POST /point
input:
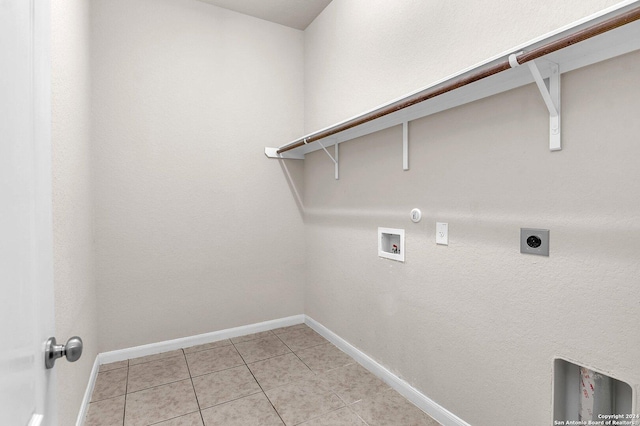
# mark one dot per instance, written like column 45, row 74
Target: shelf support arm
column 335, row 160
column 405, row 146
column 550, row 96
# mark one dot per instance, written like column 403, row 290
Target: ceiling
column 292, row 13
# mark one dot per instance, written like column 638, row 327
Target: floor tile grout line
column 346, row 404
column 305, row 364
column 107, row 399
column 172, row 418
column 320, row 344
column 331, row 390
column 231, row 342
column 241, row 357
column 260, row 386
column 357, row 415
column 250, row 340
column 126, row 391
column 213, row 349
column 312, row 346
column 157, row 386
column 277, row 356
column 293, row 352
column 308, row 347
column 234, row 399
column 292, row 381
column 270, row 403
column 321, row 415
column 253, row 362
column 316, row 374
column 193, row 386
column 349, row 406
column 299, row 380
column 113, row 369
column 287, row 332
column 265, row 359
column 158, row 359
column 184, row 354
column 219, row 371
column 262, row 390
column 98, row 376
column 271, row 357
column 243, row 360
column 307, row 329
column 160, row 384
column 202, row 350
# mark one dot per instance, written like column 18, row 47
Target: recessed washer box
column 391, row 243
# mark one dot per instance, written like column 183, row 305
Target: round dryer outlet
column 416, row 215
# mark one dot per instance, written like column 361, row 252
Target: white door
column 26, row 271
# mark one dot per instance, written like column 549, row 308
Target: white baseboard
column 426, row 404
column 84, row 407
column 423, row 402
column 185, row 342
column 169, row 345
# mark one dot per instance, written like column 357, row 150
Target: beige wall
column 196, row 230
column 475, row 325
column 74, row 275
column 362, row 53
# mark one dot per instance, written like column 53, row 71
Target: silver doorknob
column 52, row 351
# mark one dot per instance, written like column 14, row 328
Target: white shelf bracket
column 550, row 95
column 335, row 160
column 405, row 145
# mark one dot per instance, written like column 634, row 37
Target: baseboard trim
column 423, row 402
column 84, row 407
column 199, row 339
column 169, row 345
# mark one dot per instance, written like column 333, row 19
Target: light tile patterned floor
column 289, row 376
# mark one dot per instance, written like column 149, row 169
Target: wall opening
column 583, row 394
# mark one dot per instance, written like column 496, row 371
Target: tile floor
column 288, row 376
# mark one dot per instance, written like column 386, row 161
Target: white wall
column 474, row 325
column 74, row 260
column 195, row 230
column 362, row 53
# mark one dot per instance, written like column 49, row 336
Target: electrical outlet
column 442, row 233
column 534, row 241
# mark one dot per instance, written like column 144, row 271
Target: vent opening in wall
column 582, row 394
column 391, row 243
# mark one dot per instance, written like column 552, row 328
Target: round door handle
column 72, row 351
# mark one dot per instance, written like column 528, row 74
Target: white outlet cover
column 442, row 233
